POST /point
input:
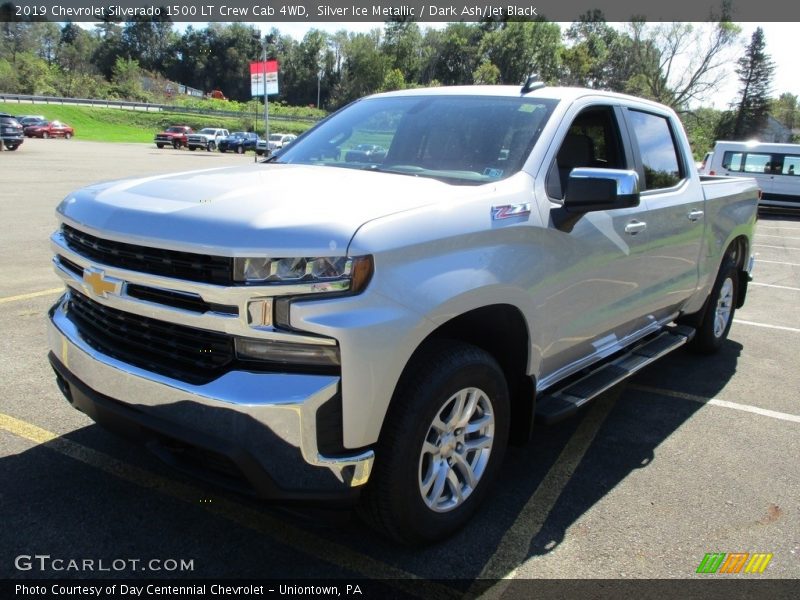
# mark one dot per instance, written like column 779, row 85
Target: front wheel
column 45, row 135
column 159, row 146
column 192, row 148
column 211, row 146
column 239, row 149
column 714, row 325
column 441, row 445
column 176, row 145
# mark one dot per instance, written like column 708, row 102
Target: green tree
column 755, row 77
column 519, row 48
column 486, row 74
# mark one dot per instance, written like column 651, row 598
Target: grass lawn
column 115, row 125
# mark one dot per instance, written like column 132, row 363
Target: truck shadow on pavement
column 55, row 505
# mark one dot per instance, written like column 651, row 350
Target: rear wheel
column 45, row 135
column 176, row 144
column 717, row 318
column 159, row 146
column 192, row 148
column 12, row 147
column 441, row 445
column 67, row 135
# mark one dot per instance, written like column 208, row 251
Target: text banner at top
column 378, row 11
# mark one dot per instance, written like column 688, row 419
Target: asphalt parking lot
column 695, row 455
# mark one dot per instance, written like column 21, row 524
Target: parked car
column 239, row 142
column 369, row 153
column 10, row 132
column 775, row 167
column 207, row 138
column 276, row 142
column 50, row 129
column 705, row 165
column 26, row 120
column 175, row 136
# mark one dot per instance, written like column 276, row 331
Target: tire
column 426, row 482
column 223, row 150
column 717, row 316
column 211, row 147
column 176, row 145
column 192, row 148
column 67, row 136
column 12, row 147
column 159, row 146
column 45, row 136
column 259, row 152
column 239, row 149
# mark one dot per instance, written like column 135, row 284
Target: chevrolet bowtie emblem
column 99, row 283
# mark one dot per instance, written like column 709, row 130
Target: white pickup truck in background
column 377, row 327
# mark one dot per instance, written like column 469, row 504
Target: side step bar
column 560, row 403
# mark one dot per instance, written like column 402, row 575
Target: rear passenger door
column 675, row 212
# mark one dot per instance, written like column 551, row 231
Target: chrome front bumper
column 271, row 417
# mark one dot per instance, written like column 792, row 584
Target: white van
column 776, row 168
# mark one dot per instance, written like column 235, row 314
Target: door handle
column 695, row 215
column 635, row 227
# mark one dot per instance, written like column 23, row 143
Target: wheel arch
column 502, row 331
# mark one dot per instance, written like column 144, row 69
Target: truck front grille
column 156, row 261
column 185, row 353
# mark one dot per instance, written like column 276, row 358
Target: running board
column 563, row 402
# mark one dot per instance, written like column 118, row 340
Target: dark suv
column 10, row 132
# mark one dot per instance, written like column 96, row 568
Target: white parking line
column 782, row 416
column 770, row 285
column 778, row 247
column 776, row 262
column 783, row 237
column 754, row 324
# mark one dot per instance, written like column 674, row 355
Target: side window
column 593, row 140
column 732, row 161
column 791, row 165
column 660, row 157
column 757, row 163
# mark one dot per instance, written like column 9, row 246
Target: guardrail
column 145, row 106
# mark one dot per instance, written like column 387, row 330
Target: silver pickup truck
column 376, row 327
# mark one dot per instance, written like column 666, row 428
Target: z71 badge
column 507, row 211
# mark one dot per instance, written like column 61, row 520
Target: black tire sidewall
column 419, row 404
column 705, row 341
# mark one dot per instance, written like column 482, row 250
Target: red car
column 174, row 136
column 49, row 129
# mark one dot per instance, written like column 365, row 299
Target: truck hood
column 283, row 210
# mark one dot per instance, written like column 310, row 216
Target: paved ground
column 695, row 455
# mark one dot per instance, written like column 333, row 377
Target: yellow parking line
column 31, row 295
column 515, row 545
column 240, row 514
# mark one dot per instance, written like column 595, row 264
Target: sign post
column 264, row 81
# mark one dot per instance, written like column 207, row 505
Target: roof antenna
column 532, row 83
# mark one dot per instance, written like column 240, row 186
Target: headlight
column 322, row 274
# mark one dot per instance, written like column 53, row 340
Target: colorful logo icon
column 734, row 562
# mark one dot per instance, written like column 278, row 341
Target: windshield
column 276, row 137
column 175, row 130
column 207, row 130
column 239, row 134
column 459, row 139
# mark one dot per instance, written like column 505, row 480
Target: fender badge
column 508, row 211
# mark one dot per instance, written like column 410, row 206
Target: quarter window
column 662, row 167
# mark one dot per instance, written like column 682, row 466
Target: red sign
column 258, row 70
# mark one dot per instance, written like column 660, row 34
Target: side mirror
column 591, row 190
column 601, row 189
